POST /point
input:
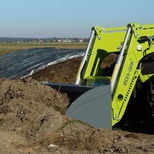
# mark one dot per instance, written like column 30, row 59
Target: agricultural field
column 9, row 47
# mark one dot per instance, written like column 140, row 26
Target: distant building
column 59, row 40
column 81, row 40
column 66, row 40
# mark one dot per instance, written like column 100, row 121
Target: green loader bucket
column 93, row 107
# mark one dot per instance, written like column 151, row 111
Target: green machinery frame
column 127, row 70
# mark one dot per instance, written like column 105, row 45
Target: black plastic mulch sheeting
column 24, row 62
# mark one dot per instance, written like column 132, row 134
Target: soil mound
column 28, row 107
column 36, row 112
column 64, row 72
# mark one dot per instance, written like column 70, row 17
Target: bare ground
column 32, row 120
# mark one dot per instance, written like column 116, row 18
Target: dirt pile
column 64, row 72
column 27, row 107
column 35, row 112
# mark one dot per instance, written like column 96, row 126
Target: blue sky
column 69, row 18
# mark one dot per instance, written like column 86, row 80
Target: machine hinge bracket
column 99, row 30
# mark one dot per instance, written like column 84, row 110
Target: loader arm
column 132, row 44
